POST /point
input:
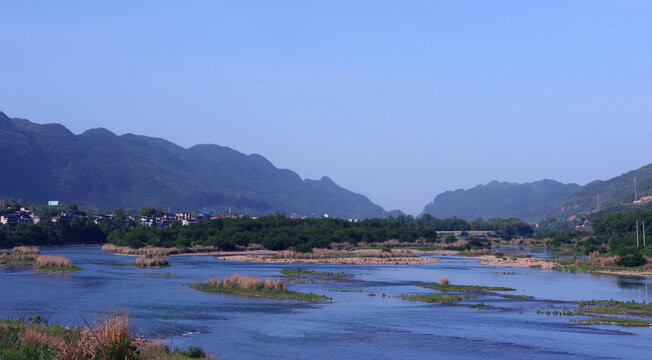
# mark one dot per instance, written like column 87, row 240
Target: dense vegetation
column 277, row 232
column 613, row 234
column 80, row 229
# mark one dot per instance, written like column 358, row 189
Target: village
column 15, row 213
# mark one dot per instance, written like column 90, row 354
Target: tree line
column 275, row 232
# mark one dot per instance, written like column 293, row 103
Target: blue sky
column 398, row 100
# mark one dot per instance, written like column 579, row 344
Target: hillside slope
column 619, row 189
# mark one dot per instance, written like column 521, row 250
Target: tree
column 147, row 211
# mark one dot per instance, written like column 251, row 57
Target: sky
column 397, row 100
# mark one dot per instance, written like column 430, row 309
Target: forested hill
column 100, row 169
column 530, row 201
column 619, row 189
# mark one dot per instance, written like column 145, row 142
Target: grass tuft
column 151, row 262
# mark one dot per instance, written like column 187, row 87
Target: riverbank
column 577, row 265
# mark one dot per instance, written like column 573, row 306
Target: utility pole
column 643, row 233
column 637, row 233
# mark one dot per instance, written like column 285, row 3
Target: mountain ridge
column 101, row 169
column 528, row 201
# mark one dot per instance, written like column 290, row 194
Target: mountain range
column 103, row 170
column 545, row 198
column 528, row 201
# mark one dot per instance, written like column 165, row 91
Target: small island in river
column 252, row 286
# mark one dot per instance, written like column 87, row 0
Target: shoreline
column 394, row 257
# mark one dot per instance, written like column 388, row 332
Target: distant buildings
column 12, row 220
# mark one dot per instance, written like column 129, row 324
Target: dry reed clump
column 247, row 282
column 596, row 259
column 443, row 280
column 3, row 258
column 200, row 248
column 146, row 251
column 26, row 250
column 52, row 260
column 151, row 262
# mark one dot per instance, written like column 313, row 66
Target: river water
column 354, row 325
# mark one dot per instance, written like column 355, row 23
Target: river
column 354, row 325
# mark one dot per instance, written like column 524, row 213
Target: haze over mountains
column 103, row 170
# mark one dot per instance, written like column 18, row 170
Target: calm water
column 352, row 326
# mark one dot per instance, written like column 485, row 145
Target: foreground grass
column 279, row 294
column 108, row 339
column 465, row 288
column 435, row 298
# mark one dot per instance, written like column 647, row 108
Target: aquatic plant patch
column 295, row 271
column 507, row 296
column 615, row 307
column 465, row 288
column 56, row 269
column 598, row 320
column 435, row 298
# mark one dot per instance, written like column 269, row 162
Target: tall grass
column 247, row 282
column 26, row 250
column 151, row 262
column 52, row 261
column 596, row 259
column 146, row 251
column 109, row 338
column 19, row 253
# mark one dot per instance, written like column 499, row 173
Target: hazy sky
column 397, row 100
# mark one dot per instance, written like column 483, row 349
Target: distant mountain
column 619, row 189
column 395, row 213
column 530, row 201
column 100, row 169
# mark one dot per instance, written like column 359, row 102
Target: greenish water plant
column 435, row 298
column 465, row 288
